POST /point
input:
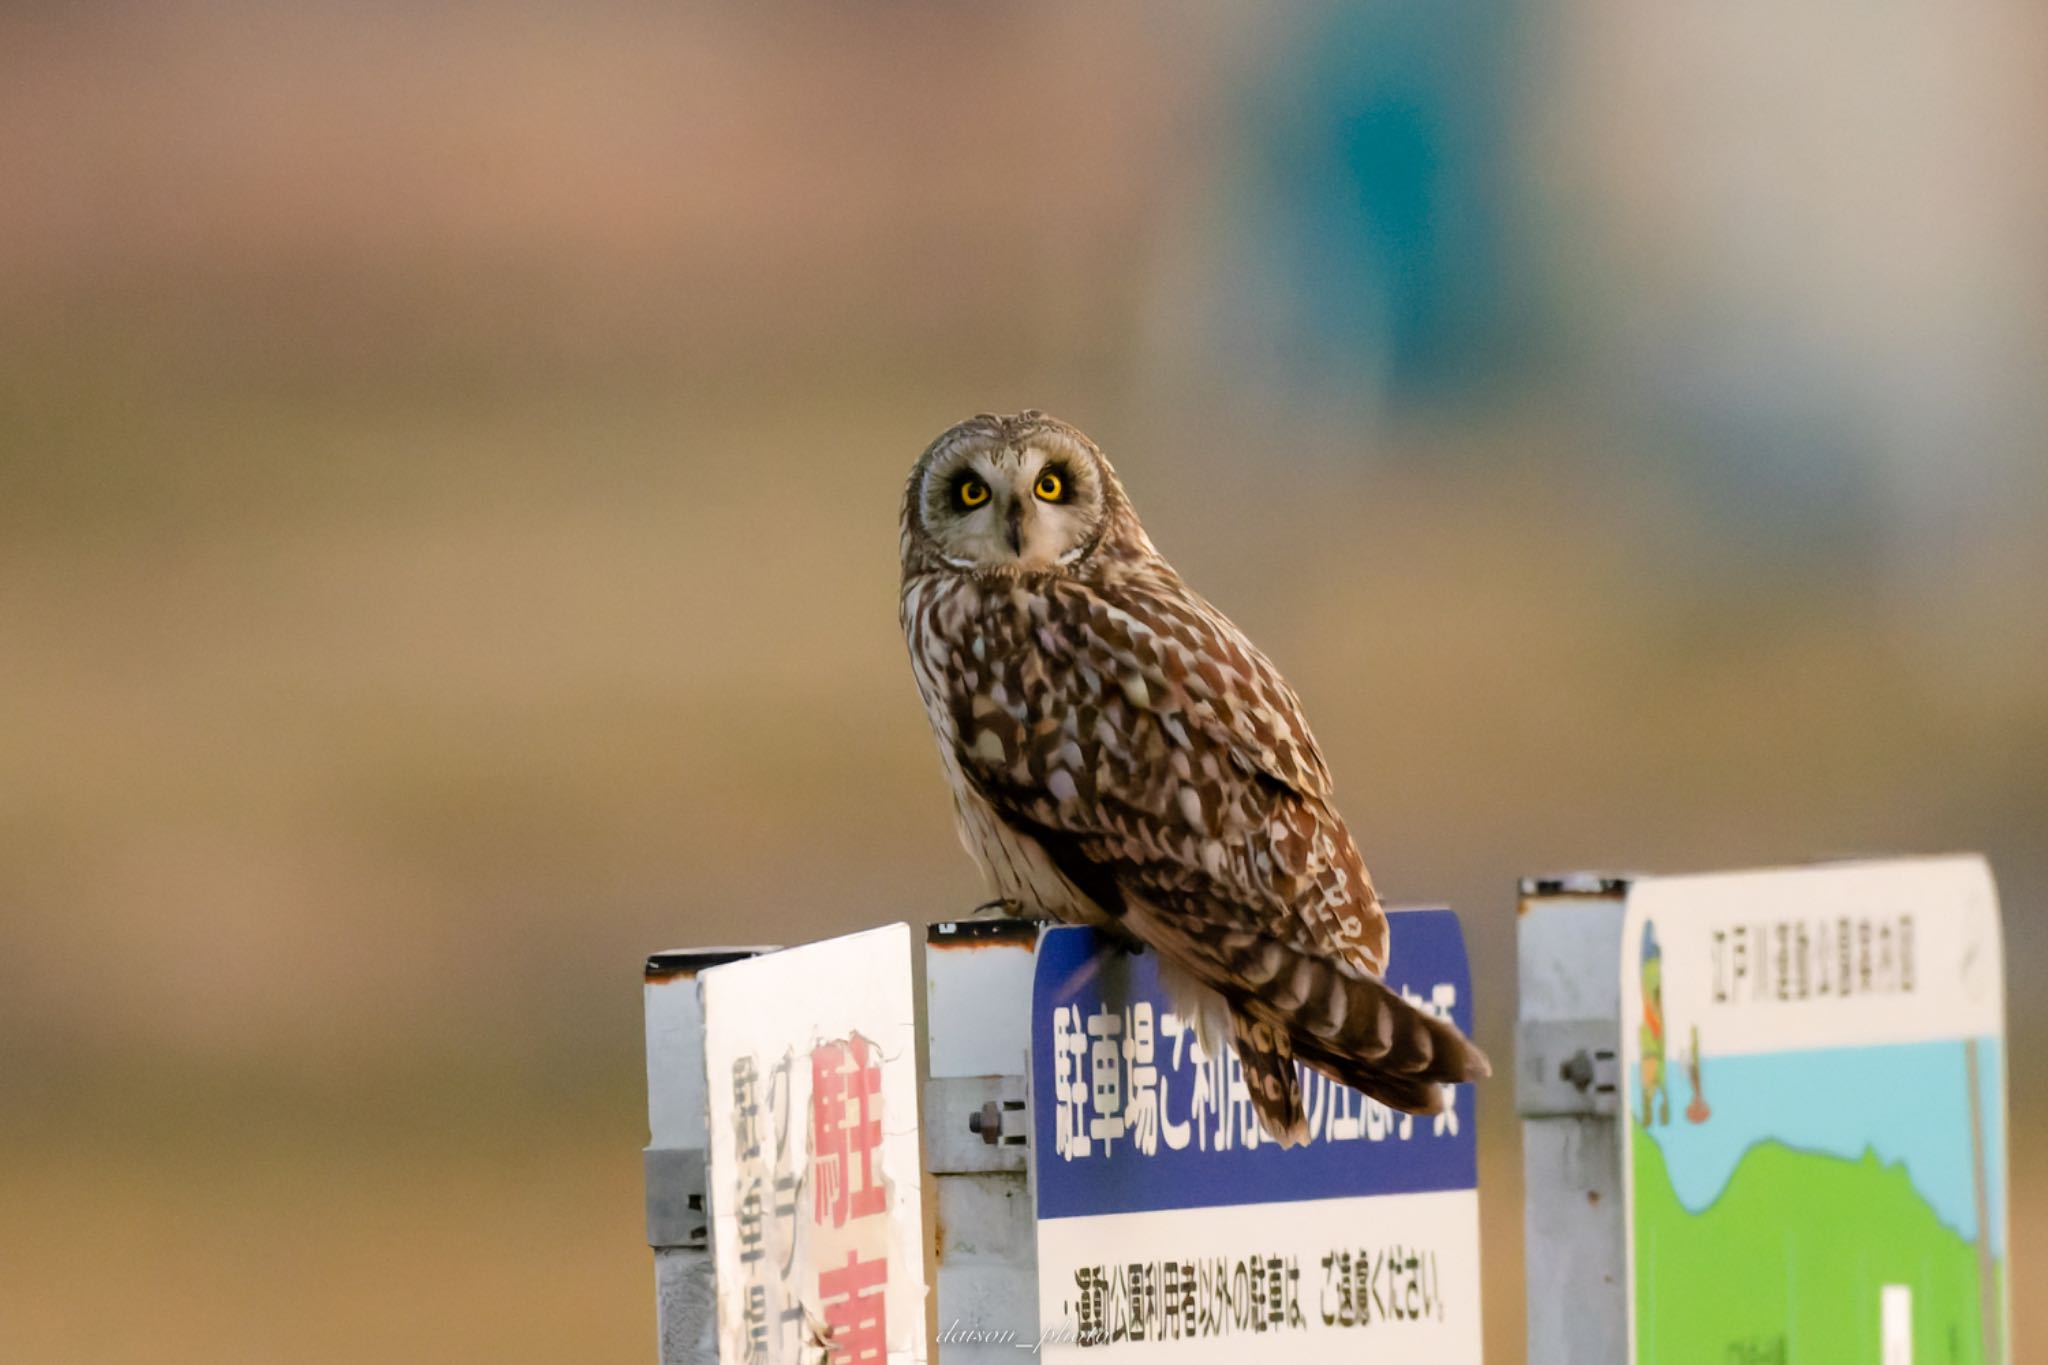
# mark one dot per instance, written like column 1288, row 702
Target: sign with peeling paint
column 814, row 1169
column 1171, row 1227
column 1813, row 1097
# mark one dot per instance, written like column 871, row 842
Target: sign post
column 1170, row 1225
column 1567, row 1069
column 1796, row 1079
column 815, row 1172
column 678, row 1227
column 977, row 1137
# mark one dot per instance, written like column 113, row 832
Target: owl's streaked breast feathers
column 1103, row 718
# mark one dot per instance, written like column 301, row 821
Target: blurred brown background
column 448, row 475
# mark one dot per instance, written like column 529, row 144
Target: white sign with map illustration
column 1814, row 1094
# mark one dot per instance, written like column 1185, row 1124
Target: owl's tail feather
column 1346, row 1023
column 1269, row 1075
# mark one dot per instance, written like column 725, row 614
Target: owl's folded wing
column 1215, row 676
column 1154, row 753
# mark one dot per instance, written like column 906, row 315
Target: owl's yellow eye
column 973, row 493
column 1050, row 487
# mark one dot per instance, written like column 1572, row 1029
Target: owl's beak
column 1014, row 529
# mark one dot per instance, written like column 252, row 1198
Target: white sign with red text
column 814, row 1167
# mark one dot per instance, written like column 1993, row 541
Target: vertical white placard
column 815, row 1172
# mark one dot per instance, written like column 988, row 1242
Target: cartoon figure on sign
column 1656, row 1098
column 1697, row 1111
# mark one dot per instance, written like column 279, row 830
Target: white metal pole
column 978, row 976
column 1567, row 1087
column 678, row 1223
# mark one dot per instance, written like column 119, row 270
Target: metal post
column 977, row 1134
column 1567, row 1062
column 686, row 1301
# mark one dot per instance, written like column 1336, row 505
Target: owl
column 1121, row 756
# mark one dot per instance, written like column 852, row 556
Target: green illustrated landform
column 1788, row 1266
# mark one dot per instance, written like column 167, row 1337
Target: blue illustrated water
column 1908, row 1103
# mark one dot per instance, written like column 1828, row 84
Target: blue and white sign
column 1171, row 1226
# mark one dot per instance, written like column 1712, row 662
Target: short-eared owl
column 1122, row 756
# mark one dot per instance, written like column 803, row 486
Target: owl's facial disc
column 996, row 508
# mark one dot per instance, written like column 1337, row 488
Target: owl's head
column 1014, row 495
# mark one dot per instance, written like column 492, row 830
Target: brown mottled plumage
column 1120, row 755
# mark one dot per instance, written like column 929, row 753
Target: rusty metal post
column 678, row 1224
column 977, row 1133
